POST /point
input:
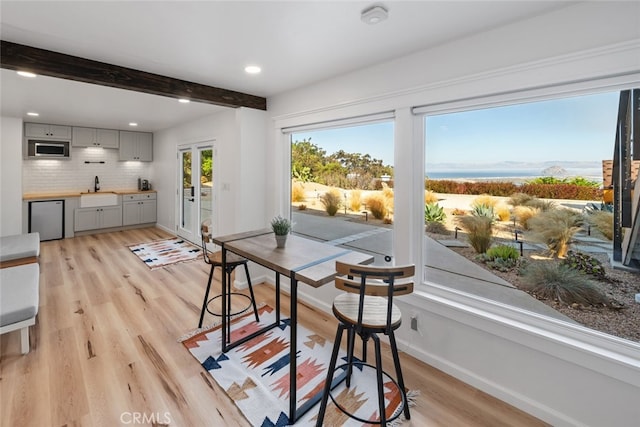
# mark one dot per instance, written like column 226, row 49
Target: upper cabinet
column 41, row 130
column 91, row 137
column 136, row 146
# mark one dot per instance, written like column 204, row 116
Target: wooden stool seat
column 374, row 312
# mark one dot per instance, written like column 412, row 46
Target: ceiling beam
column 15, row 56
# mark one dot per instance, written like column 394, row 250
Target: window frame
column 537, row 331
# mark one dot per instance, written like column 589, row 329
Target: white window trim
column 601, row 352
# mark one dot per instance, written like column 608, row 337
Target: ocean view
column 510, row 174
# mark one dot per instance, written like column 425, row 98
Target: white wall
column 10, row 176
column 50, row 175
column 562, row 374
column 240, row 139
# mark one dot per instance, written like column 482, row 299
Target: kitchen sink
column 93, row 200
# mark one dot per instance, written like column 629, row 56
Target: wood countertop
column 70, row 194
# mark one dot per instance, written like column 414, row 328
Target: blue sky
column 570, row 129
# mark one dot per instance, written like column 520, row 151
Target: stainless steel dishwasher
column 47, row 218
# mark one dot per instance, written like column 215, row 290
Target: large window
column 515, row 210
column 342, row 187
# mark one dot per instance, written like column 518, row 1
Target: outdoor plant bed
column 620, row 318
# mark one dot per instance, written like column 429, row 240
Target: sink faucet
column 96, row 186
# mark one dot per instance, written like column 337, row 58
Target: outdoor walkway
column 444, row 266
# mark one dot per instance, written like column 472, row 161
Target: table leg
column 277, row 297
column 293, row 346
column 224, row 300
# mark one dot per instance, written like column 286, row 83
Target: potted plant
column 281, row 227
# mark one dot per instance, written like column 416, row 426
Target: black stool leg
column 253, row 299
column 383, row 418
column 351, row 339
column 229, row 271
column 332, row 367
column 396, row 361
column 206, row 297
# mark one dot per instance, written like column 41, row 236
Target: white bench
column 19, row 249
column 19, row 284
column 19, row 300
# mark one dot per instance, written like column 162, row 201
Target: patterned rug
column 165, row 252
column 255, row 375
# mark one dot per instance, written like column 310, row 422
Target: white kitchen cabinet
column 42, row 130
column 136, row 146
column 139, row 208
column 92, row 137
column 95, row 218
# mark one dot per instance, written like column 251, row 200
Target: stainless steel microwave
column 44, row 149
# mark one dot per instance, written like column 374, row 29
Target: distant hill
column 508, row 165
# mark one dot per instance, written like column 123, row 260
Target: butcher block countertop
column 69, row 194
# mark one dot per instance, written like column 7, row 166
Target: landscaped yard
column 603, row 300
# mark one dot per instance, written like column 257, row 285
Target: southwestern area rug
column 160, row 253
column 255, row 375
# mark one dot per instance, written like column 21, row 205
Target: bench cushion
column 19, row 246
column 19, row 293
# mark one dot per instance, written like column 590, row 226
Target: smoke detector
column 374, row 15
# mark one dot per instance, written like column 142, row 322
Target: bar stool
column 214, row 259
column 367, row 309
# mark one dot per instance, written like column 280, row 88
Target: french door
column 197, row 189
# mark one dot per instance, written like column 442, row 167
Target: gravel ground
column 622, row 322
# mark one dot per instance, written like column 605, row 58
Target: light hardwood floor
column 104, row 348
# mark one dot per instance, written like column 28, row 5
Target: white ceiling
column 210, row 42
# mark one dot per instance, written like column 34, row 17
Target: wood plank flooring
column 104, row 348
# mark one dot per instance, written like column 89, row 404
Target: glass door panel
column 196, row 188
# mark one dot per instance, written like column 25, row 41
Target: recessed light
column 374, row 15
column 184, row 100
column 133, row 124
column 31, row 113
column 26, row 74
column 252, row 69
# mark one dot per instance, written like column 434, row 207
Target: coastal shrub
column 297, row 192
column 545, row 191
column 519, row 199
column 485, row 200
column 377, row 205
column 503, row 213
column 562, row 191
column 437, row 228
column 553, row 281
column 578, row 180
column 456, row 187
column 502, row 251
column 433, row 212
column 555, row 228
column 483, row 210
column 502, row 258
column 355, row 201
column 430, row 197
column 524, row 214
column 603, row 221
column 331, row 201
column 585, row 263
column 479, row 231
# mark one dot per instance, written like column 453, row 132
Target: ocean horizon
column 510, row 174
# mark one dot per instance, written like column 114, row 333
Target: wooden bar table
column 301, row 260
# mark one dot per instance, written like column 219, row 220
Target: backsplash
column 40, row 176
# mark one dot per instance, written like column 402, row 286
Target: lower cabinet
column 94, row 218
column 139, row 209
